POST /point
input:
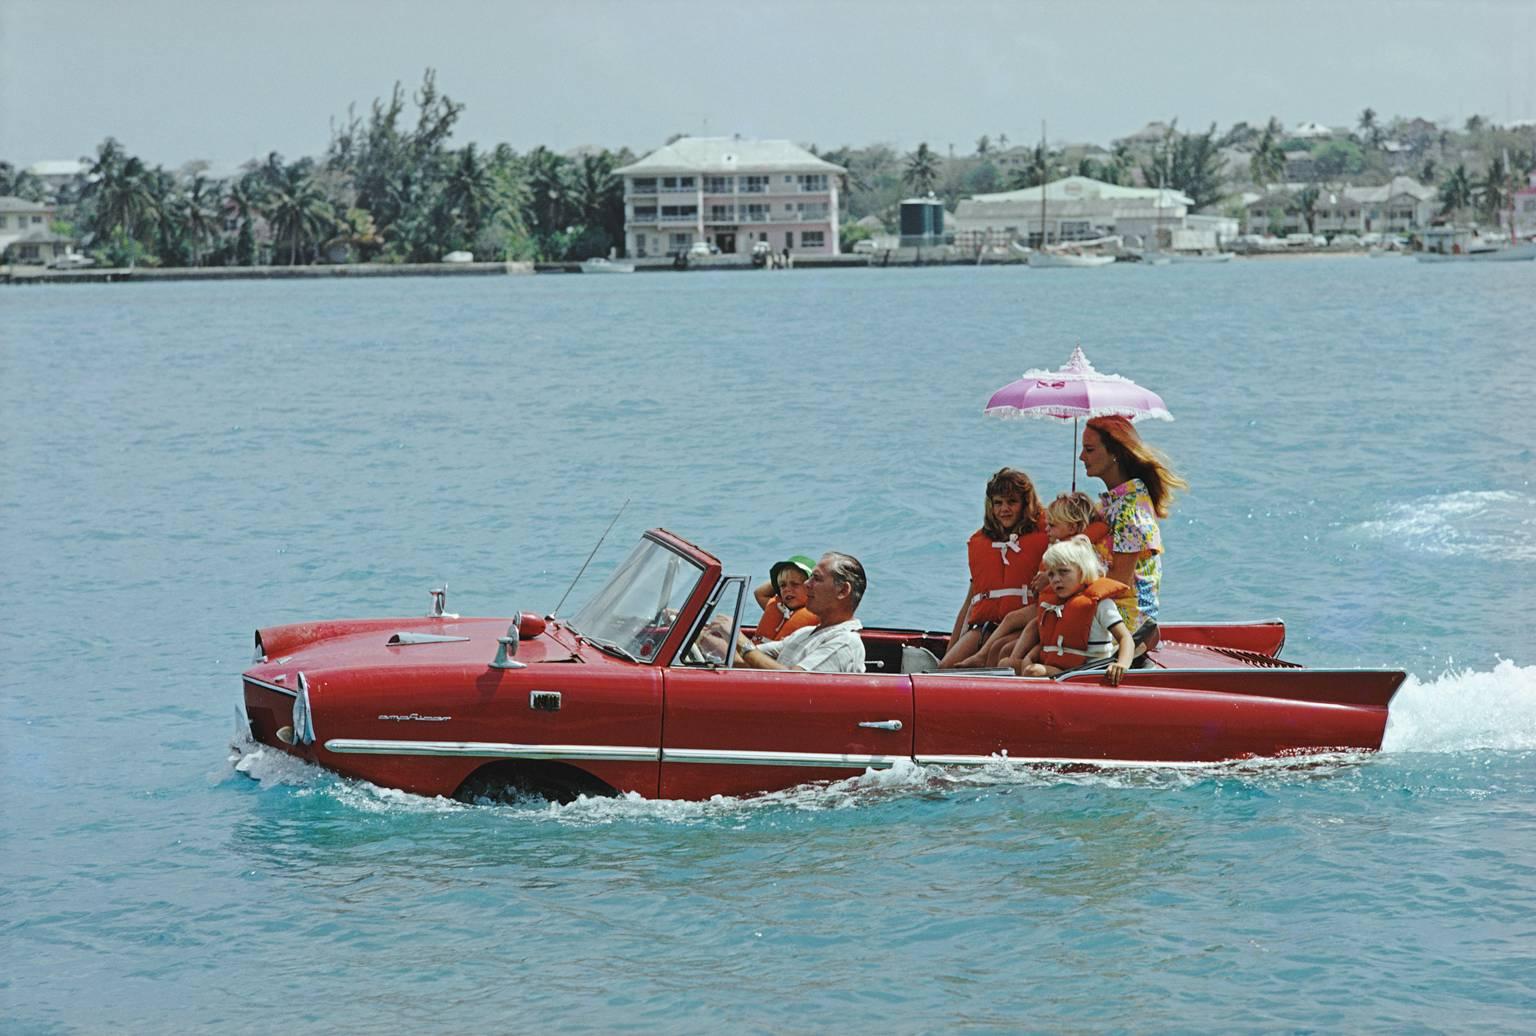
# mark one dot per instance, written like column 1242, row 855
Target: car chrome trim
column 983, row 760
column 738, row 757
column 264, row 685
column 491, row 750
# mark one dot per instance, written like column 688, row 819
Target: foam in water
column 1486, row 523
column 1462, row 711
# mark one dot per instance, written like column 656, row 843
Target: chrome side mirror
column 508, row 648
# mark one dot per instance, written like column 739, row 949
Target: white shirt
column 820, row 649
column 1100, row 643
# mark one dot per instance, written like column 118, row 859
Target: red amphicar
column 621, row 698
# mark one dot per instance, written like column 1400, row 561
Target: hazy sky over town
column 225, row 81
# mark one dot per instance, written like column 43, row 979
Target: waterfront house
column 1398, row 207
column 20, row 218
column 731, row 193
column 1076, row 208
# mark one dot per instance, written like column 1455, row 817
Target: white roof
column 11, row 203
column 58, row 167
column 729, row 155
column 1083, row 188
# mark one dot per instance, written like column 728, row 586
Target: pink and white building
column 730, row 193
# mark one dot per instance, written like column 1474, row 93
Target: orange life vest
column 1001, row 571
column 1064, row 625
column 775, row 625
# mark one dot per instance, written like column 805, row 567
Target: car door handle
column 882, row 724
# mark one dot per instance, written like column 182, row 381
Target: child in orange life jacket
column 1070, row 514
column 1078, row 620
column 1003, row 556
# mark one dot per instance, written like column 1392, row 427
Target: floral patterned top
column 1133, row 530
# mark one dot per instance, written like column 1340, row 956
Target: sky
column 225, row 80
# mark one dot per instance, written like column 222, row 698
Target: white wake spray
column 1464, row 711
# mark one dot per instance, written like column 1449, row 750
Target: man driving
column 833, row 645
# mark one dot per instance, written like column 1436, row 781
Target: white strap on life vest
column 1055, row 609
column 1062, row 649
column 1008, row 546
column 1010, row 591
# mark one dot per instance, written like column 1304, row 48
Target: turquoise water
column 185, row 462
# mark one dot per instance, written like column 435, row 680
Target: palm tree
column 922, row 171
column 598, row 195
column 1369, row 130
column 547, row 204
column 470, row 191
column 296, row 207
column 119, row 195
column 1456, row 191
column 1493, row 190
column 984, row 146
column 1268, row 163
column 241, row 201
column 1306, row 203
column 198, row 216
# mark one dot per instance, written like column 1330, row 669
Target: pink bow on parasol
column 1075, row 391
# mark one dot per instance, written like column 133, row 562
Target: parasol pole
column 1074, row 454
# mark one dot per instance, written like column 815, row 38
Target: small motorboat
column 600, row 265
column 1200, row 257
column 620, row 697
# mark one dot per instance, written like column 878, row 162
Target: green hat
column 799, row 561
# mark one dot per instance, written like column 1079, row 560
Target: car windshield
column 634, row 611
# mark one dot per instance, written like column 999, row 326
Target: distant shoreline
column 37, row 275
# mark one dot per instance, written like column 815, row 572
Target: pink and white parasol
column 1075, row 391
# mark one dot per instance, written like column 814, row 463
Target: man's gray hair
column 845, row 568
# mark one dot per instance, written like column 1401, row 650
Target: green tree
column 297, row 209
column 984, row 146
column 196, row 209
column 242, row 200
column 1334, row 159
column 1189, row 163
column 119, row 195
column 1370, row 130
column 471, row 194
column 20, row 183
column 395, row 171
column 922, row 170
column 597, row 196
column 547, row 211
column 1040, row 170
column 1267, row 165
column 1492, row 190
column 1456, row 192
column 1306, row 204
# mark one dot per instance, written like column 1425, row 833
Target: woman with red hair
column 1140, row 487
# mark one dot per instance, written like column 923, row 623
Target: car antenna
column 590, row 556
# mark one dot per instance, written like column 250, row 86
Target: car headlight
column 303, row 718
